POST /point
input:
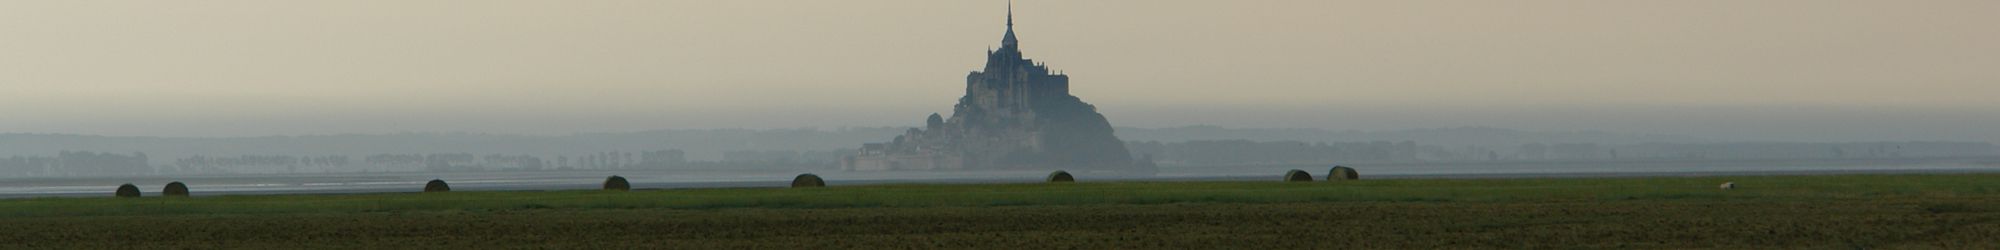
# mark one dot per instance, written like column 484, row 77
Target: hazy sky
column 1788, row 69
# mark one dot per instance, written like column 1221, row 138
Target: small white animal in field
column 1728, row 185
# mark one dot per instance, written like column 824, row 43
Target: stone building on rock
column 1015, row 115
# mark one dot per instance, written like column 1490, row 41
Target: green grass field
column 1848, row 211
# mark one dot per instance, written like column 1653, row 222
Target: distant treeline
column 1246, row 151
column 85, row 163
column 210, row 164
column 1753, row 150
column 82, row 155
column 1230, row 152
column 435, row 162
column 713, row 144
column 786, row 157
column 76, row 163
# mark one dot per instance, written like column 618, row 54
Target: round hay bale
column 175, row 189
column 616, row 183
column 128, row 191
column 1061, row 176
column 436, row 185
column 1342, row 173
column 808, row 180
column 1728, row 185
column 1298, row 175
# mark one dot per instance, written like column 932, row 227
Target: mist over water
column 374, row 96
column 1720, row 123
column 1714, row 123
column 1211, row 142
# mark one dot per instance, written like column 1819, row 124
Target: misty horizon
column 1764, row 71
column 1803, row 124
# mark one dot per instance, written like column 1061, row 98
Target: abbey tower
column 1015, row 115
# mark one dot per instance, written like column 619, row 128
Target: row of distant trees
column 86, row 163
column 1199, row 152
column 656, row 159
column 1754, row 150
column 1230, row 152
column 225, row 164
column 1246, row 151
column 446, row 162
column 783, row 158
column 76, row 163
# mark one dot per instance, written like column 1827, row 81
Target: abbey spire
column 1009, row 41
column 1014, row 115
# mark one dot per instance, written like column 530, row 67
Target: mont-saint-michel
column 1015, row 114
column 775, row 124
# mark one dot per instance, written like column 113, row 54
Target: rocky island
column 1015, row 115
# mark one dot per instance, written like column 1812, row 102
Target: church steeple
column 1009, row 41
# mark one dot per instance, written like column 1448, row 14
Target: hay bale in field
column 128, row 191
column 1061, row 176
column 808, row 180
column 1341, row 173
column 1728, row 185
column 616, row 183
column 174, row 189
column 436, row 185
column 1298, row 175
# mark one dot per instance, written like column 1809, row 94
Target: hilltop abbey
column 1015, row 115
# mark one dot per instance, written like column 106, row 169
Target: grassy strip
column 1963, row 223
column 1757, row 188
